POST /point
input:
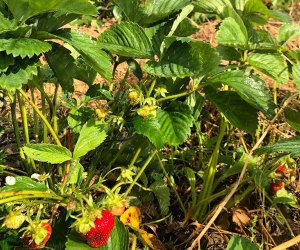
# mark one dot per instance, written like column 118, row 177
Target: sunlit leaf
column 24, row 9
column 150, row 128
column 175, row 122
column 239, row 113
column 272, row 64
column 288, row 146
column 24, row 183
column 17, row 75
column 149, row 11
column 91, row 136
column 251, row 88
column 232, row 33
column 288, row 32
column 47, row 153
column 126, row 39
column 24, row 47
column 185, row 58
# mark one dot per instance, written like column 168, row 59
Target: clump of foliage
column 80, row 164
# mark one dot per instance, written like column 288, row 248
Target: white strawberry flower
column 10, row 180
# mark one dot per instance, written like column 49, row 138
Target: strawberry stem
column 139, row 174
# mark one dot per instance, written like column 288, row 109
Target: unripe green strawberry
column 14, row 220
column 37, row 234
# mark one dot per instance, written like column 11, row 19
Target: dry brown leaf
column 240, row 217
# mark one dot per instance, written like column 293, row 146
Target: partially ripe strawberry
column 118, row 210
column 14, row 220
column 99, row 234
column 276, row 186
column 281, row 169
column 37, row 234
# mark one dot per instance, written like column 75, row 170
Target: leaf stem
column 210, row 174
column 25, row 128
column 16, row 127
column 171, row 184
column 55, row 137
column 35, row 119
column 139, row 174
column 185, row 93
column 151, row 88
column 54, row 116
column 33, row 196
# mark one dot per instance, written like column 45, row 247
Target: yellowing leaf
column 132, row 217
column 151, row 240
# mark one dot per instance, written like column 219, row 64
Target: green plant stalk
column 175, row 96
column 16, row 127
column 156, row 221
column 117, row 97
column 24, row 119
column 45, row 130
column 238, row 198
column 149, row 92
column 275, row 99
column 134, row 242
column 54, row 113
column 35, row 119
column 210, row 175
column 12, row 169
column 135, row 157
column 281, row 214
column 25, row 129
column 45, row 121
column 23, row 192
column 171, row 184
column 22, row 197
column 93, row 166
column 139, row 174
column 45, row 96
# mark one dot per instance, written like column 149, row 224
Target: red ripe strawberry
column 276, row 186
column 37, row 234
column 281, row 169
column 98, row 235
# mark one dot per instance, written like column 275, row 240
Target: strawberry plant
column 171, row 123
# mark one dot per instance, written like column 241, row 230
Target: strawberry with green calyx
column 98, row 235
column 95, row 227
column 37, row 234
column 14, row 220
column 116, row 204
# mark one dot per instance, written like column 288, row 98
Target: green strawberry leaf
column 240, row 243
column 126, row 39
column 271, row 64
column 47, row 153
column 24, row 47
column 91, row 136
column 24, row 183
